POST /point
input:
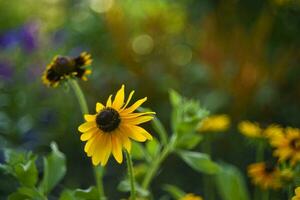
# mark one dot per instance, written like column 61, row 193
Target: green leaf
column 88, row 194
column 231, row 183
column 153, row 148
column 174, row 191
column 26, row 193
column 199, row 161
column 67, row 195
column 188, row 141
column 54, row 169
column 27, row 173
column 175, row 98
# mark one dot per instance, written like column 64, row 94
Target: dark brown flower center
column 108, row 119
column 269, row 167
column 295, row 144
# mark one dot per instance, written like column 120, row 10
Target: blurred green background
column 239, row 57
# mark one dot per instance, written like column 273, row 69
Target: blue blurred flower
column 25, row 36
column 6, row 70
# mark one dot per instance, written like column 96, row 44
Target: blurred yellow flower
column 190, row 196
column 265, row 174
column 273, row 130
column 297, row 194
column 215, row 123
column 63, row 67
column 287, row 145
column 250, row 129
column 109, row 130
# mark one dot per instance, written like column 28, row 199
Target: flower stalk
column 98, row 171
column 130, row 175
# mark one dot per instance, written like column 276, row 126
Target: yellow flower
column 297, row 194
column 287, row 145
column 273, row 130
column 265, row 175
column 109, row 130
column 215, row 123
column 63, row 67
column 250, row 129
column 191, row 197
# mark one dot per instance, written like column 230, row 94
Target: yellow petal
column 119, row 99
column 86, row 126
column 297, row 191
column 117, row 148
column 89, row 134
column 129, row 98
column 107, row 151
column 138, row 120
column 93, row 146
column 98, row 154
column 90, row 118
column 108, row 103
column 125, row 141
column 88, row 144
column 127, row 130
column 135, row 105
column 142, row 131
column 134, row 115
column 99, row 107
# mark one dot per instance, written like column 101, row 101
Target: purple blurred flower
column 28, row 36
column 25, row 36
column 6, row 70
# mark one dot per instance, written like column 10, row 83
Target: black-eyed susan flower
column 250, row 129
column 297, row 194
column 287, row 145
column 191, row 196
column 112, row 127
column 62, row 67
column 265, row 174
column 215, row 123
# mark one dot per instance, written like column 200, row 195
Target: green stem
column 259, row 158
column 265, row 195
column 98, row 171
column 131, row 176
column 156, row 164
column 207, row 182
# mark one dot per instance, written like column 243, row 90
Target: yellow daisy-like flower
column 109, row 130
column 63, row 67
column 273, row 130
column 287, row 145
column 191, row 196
column 250, row 129
column 265, row 175
column 297, row 194
column 215, row 123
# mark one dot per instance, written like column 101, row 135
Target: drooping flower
column 191, row 196
column 287, row 145
column 112, row 127
column 250, row 129
column 265, row 174
column 215, row 123
column 63, row 67
column 297, row 194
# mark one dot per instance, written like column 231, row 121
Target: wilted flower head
column 63, row 67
